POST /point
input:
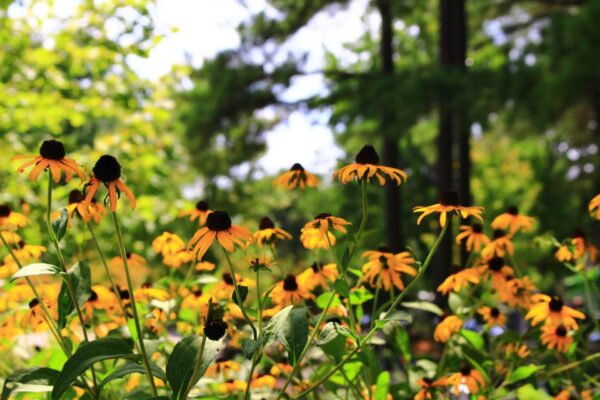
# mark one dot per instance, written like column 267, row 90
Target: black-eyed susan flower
column 28, row 252
column 168, row 243
column 52, row 157
column 518, row 349
column 223, row 289
column 467, row 376
column 196, row 301
column 261, row 263
column 297, row 176
column 77, row 206
column 11, row 220
column 492, row 316
column 369, row 394
column 107, row 171
column 512, row 221
column 205, row 266
column 366, row 166
column 263, row 381
column 319, row 275
column 10, row 237
column 500, row 245
column 199, row 212
column 447, row 327
column 572, row 394
column 36, row 318
column 218, row 226
column 459, row 280
column 594, row 207
column 496, row 270
column 101, row 298
column 449, row 204
column 427, row 388
column 268, row 233
column 176, row 260
column 556, row 336
column 290, row 291
column 564, row 253
column 553, row 310
column 473, row 237
column 316, row 234
column 384, row 268
column 516, row 292
column 133, row 260
column 222, row 367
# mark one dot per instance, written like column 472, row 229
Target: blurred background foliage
column 531, row 92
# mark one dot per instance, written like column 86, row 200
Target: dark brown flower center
column 146, row 285
column 556, row 304
column 465, row 371
column 266, row 223
column 477, row 228
column 427, row 381
column 561, row 331
column 107, row 169
column 197, row 292
column 297, row 167
column 227, row 278
column 335, row 320
column 75, row 196
column 494, row 312
column 496, row 263
column 33, row 303
column 384, row 249
column 93, row 296
column 124, row 294
column 52, row 150
column 323, row 216
column 202, row 205
column 384, row 262
column 21, row 244
column 316, row 266
column 578, row 233
column 218, row 221
column 499, row 233
column 367, row 155
column 5, row 210
column 449, row 199
column 215, row 329
column 290, row 284
column 513, row 210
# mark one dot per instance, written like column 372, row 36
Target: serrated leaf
column 182, row 361
column 342, row 288
column 474, row 338
column 86, row 355
column 523, row 372
column 59, row 225
column 36, row 270
column 29, row 376
column 425, row 306
column 243, row 291
column 132, row 368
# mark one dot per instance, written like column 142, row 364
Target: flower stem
column 393, row 306
column 239, row 296
column 136, row 319
column 196, row 370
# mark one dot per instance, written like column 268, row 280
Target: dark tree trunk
column 453, row 126
column 393, row 220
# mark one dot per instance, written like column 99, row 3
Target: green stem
column 375, row 301
column 260, row 305
column 373, row 331
column 572, row 365
column 249, row 379
column 136, row 319
column 196, row 370
column 590, row 300
column 238, row 295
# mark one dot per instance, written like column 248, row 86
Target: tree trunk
column 393, row 220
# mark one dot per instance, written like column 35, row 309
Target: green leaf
column 529, row 392
column 29, row 376
column 276, row 324
column 86, row 355
column 474, row 338
column 523, row 372
column 37, row 269
column 345, row 259
column 360, row 296
column 59, row 225
column 295, row 333
column 425, row 306
column 243, row 291
column 182, row 361
column 341, row 287
column 80, row 277
column 132, row 368
column 323, row 299
column 382, row 387
column 250, row 346
column 332, row 342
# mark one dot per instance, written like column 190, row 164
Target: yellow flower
column 318, row 275
column 222, row 366
column 28, row 252
column 552, row 310
column 290, row 291
column 178, row 259
column 384, row 268
column 11, row 220
column 472, row 236
column 86, row 211
column 107, row 171
column 500, row 244
column 200, row 212
column 10, row 237
column 168, row 244
column 497, row 271
column 594, row 207
column 469, row 377
column 456, row 282
column 205, row 266
column 297, row 176
column 447, row 327
column 366, row 166
column 520, row 350
column 564, row 253
column 512, row 221
column 223, row 290
column 316, row 235
column 427, row 386
column 448, row 205
column 35, row 318
column 492, row 316
column 268, row 233
column 556, row 336
column 218, row 226
column 52, row 157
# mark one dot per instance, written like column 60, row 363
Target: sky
column 205, row 27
